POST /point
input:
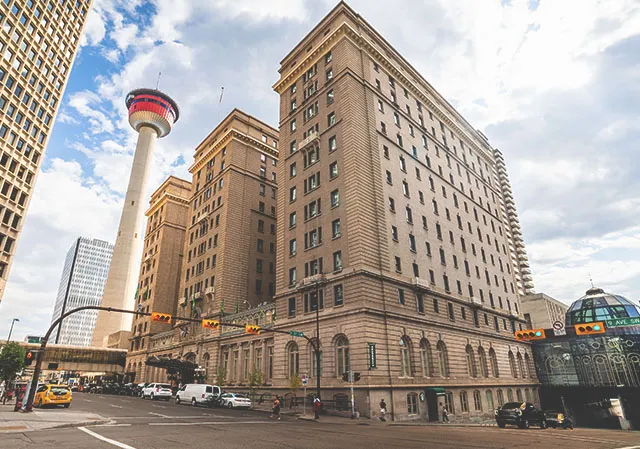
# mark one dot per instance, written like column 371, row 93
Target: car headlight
column 495, row 412
column 518, row 412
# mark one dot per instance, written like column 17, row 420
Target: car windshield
column 512, row 405
column 59, row 390
column 227, row 395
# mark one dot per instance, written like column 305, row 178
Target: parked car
column 556, row 419
column 235, row 400
column 140, row 387
column 521, row 414
column 53, row 395
column 198, row 394
column 157, row 391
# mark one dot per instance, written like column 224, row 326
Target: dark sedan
column 521, row 414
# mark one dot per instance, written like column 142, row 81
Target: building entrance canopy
column 171, row 365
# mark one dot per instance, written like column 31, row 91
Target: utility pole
column 353, row 402
column 317, row 345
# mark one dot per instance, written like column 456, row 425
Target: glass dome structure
column 597, row 305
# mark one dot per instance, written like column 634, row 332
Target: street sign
column 372, row 355
column 296, row 334
column 621, row 322
column 305, row 379
column 558, row 328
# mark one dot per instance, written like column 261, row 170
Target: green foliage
column 295, row 383
column 255, row 379
column 221, row 374
column 11, row 361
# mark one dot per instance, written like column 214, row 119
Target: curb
column 400, row 424
column 80, row 424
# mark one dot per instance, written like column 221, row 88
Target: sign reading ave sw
column 619, row 322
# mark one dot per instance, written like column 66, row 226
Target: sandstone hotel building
column 391, row 218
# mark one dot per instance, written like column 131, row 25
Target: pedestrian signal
column 211, row 324
column 252, row 329
column 345, row 377
column 29, row 357
column 590, row 328
column 530, row 334
column 161, row 317
column 356, row 377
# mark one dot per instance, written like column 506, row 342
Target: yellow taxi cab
column 53, row 395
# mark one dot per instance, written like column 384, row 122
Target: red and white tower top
column 150, row 107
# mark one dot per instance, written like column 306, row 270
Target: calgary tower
column 152, row 114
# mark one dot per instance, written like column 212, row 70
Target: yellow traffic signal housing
column 530, row 334
column 161, row 317
column 211, row 324
column 252, row 329
column 29, row 357
column 590, row 328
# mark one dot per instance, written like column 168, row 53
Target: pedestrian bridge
column 80, row 358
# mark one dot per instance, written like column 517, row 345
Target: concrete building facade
column 163, row 254
column 541, row 311
column 83, row 277
column 38, row 42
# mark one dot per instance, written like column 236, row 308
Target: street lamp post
column 11, row 329
column 317, row 340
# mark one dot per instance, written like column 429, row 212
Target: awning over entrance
column 437, row 390
column 168, row 363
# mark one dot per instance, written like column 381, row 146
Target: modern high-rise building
column 82, row 283
column 38, row 44
column 391, row 223
column 161, row 265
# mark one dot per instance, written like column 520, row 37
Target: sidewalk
column 11, row 421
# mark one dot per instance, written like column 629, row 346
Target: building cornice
column 230, row 135
column 346, row 31
column 166, row 198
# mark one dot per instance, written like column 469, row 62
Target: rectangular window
column 338, row 295
column 337, row 261
column 292, row 307
column 335, row 228
column 401, row 296
column 420, row 303
column 452, row 316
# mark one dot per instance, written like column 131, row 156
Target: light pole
column 11, row 329
column 319, row 279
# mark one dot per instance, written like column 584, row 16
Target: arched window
column 464, row 402
column 521, row 368
column 482, row 362
column 512, row 365
column 489, row 395
column 405, row 357
column 426, row 358
column 530, row 368
column 471, row 362
column 205, row 364
column 509, row 394
column 342, row 355
column 293, row 356
column 493, row 360
column 443, row 359
column 477, row 401
column 500, row 398
column 519, row 394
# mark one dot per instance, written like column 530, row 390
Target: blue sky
column 554, row 85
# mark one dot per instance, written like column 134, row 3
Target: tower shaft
column 121, row 284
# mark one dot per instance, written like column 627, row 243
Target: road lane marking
column 158, row 406
column 115, row 406
column 105, row 439
column 630, row 447
column 87, row 400
column 112, row 425
column 207, row 423
column 159, row 414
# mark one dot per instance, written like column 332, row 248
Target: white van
column 197, row 394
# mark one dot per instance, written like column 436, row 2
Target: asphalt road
column 138, row 424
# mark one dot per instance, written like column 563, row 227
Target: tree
column 11, row 361
column 255, row 379
column 221, row 374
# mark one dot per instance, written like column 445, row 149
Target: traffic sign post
column 305, row 380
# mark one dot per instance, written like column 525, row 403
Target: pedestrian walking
column 383, row 410
column 276, row 409
column 445, row 414
column 316, row 407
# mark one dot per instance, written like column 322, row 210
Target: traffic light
column 356, row 377
column 345, row 377
column 590, row 328
column 161, row 317
column 530, row 334
column 252, row 329
column 211, row 324
column 29, row 357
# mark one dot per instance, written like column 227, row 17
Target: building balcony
column 311, row 280
column 312, row 137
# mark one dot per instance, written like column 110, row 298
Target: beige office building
column 389, row 201
column 38, row 44
column 541, row 311
column 159, row 280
